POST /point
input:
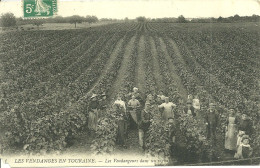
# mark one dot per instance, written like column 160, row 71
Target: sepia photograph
column 129, row 83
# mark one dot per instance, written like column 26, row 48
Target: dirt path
column 156, row 65
column 140, row 71
column 120, row 77
column 172, row 68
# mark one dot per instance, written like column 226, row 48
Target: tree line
column 182, row 19
column 9, row 20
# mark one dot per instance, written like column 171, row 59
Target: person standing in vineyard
column 196, row 103
column 171, row 129
column 245, row 125
column 119, row 105
column 231, row 132
column 189, row 109
column 146, row 118
column 190, row 97
column 168, row 109
column 212, row 118
column 120, row 102
column 136, row 94
column 102, row 104
column 134, row 109
column 161, row 97
column 177, row 97
column 93, row 113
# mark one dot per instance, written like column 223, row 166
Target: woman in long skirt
column 231, row 132
column 93, row 113
column 120, row 108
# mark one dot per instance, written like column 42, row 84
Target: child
column 239, row 137
column 244, row 150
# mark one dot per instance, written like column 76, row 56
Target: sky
column 149, row 8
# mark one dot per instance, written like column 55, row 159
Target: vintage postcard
column 129, row 83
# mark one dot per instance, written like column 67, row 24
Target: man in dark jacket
column 146, row 117
column 211, row 121
column 171, row 128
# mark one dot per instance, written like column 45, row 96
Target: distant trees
column 91, row 19
column 8, row 20
column 164, row 20
column 59, row 19
column 181, row 19
column 141, row 19
column 76, row 19
column 236, row 18
column 220, row 19
column 126, row 19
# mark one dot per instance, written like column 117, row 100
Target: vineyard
column 48, row 76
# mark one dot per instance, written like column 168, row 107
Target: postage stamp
column 39, row 8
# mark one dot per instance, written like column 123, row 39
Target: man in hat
column 211, row 121
column 168, row 109
column 93, row 113
column 189, row 109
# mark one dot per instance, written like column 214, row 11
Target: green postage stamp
column 39, row 8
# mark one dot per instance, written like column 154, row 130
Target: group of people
column 238, row 133
column 134, row 110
